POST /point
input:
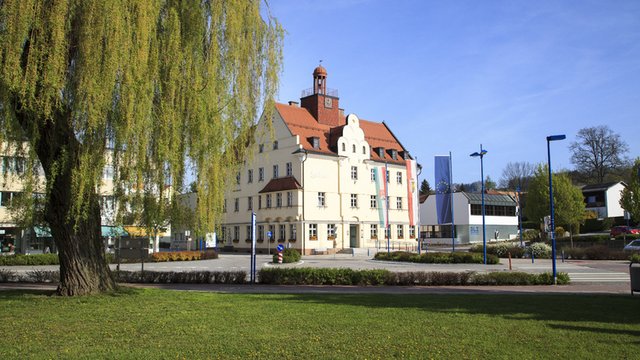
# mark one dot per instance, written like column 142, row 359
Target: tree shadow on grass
column 610, row 309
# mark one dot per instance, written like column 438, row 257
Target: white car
column 633, row 246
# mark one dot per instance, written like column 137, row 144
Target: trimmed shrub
column 598, row 252
column 635, row 259
column 322, row 276
column 288, row 256
column 183, row 255
column 187, row 277
column 501, row 250
column 539, row 250
column 518, row 278
column 36, row 259
column 437, row 257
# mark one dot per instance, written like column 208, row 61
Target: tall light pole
column 301, row 153
column 481, row 154
column 553, row 225
column 519, row 215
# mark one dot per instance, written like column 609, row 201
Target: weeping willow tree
column 144, row 87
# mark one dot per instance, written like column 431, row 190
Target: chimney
column 294, row 103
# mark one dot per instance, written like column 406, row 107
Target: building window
column 238, row 178
column 107, row 172
column 292, row 232
column 313, row 231
column 354, row 200
column 321, row 201
column 272, row 232
column 261, row 147
column 275, row 145
column 261, row 232
column 268, row 201
column 289, row 169
column 354, row 173
column 279, row 200
column 412, row 232
column 250, row 203
column 373, row 174
column 259, row 201
column 331, row 231
column 315, row 142
column 250, row 176
column 282, row 231
column 399, row 177
column 224, row 206
column 223, row 231
column 476, row 209
column 387, row 174
column 374, row 231
column 374, row 201
column 364, row 150
column 353, row 148
column 289, row 198
column 236, row 233
column 248, row 232
column 236, row 205
column 275, row 171
column 344, row 147
column 261, row 174
column 400, row 231
column 399, row 203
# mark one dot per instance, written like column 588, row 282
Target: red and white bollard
column 279, row 257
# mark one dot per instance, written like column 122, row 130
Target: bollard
column 279, row 257
column 563, row 255
column 532, row 257
column 509, row 259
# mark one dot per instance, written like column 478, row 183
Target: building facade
column 320, row 181
column 501, row 219
column 604, row 199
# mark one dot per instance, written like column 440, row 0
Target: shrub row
column 35, row 259
column 34, row 276
column 183, row 255
column 288, row 256
column 328, row 276
column 501, row 250
column 437, row 257
column 599, row 252
column 188, row 277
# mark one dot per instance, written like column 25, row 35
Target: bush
column 183, row 255
column 518, row 278
column 42, row 276
column 628, row 237
column 36, row 259
column 635, row 259
column 531, row 235
column 187, row 277
column 288, row 256
column 501, row 250
column 539, row 250
column 437, row 257
column 7, row 276
column 598, row 252
column 322, row 276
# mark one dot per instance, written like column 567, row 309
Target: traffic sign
column 269, row 234
column 280, row 247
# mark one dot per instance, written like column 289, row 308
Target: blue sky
column 450, row 75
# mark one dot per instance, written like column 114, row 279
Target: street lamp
column 302, row 154
column 553, row 228
column 481, row 154
column 519, row 215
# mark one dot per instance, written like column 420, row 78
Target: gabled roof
column 300, row 122
column 601, row 187
column 281, row 184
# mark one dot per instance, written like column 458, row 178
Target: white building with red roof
column 316, row 181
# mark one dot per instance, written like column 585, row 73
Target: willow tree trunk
column 83, row 266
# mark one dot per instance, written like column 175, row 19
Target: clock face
column 328, row 102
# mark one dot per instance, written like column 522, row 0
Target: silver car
column 633, row 246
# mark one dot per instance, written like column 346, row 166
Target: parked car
column 619, row 230
column 633, row 246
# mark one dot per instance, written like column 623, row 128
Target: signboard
column 269, row 234
column 280, row 247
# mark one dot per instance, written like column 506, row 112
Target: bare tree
column 597, row 152
column 517, row 174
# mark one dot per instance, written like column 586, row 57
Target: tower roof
column 319, row 71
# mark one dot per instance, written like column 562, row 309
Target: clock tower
column 322, row 102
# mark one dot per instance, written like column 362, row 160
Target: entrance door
column 353, row 236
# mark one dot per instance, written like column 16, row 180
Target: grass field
column 152, row 324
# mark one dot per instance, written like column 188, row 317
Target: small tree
column 489, row 184
column 567, row 198
column 630, row 200
column 517, row 174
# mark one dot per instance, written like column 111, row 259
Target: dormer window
column 315, row 142
column 380, row 152
column 394, row 154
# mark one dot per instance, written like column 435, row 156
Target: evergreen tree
column 630, row 200
column 425, row 188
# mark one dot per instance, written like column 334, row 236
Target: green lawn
column 151, row 324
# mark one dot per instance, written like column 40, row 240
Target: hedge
column 437, row 257
column 332, row 276
column 187, row 277
column 501, row 250
column 35, row 259
column 288, row 256
column 183, row 255
column 599, row 252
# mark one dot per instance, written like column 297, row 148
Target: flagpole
column 386, row 195
column 453, row 227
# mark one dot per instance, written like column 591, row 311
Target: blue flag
column 443, row 189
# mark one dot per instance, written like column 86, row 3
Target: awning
column 113, row 231
column 141, row 231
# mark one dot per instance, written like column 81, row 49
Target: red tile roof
column 300, row 122
column 281, row 184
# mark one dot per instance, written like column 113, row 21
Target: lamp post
column 481, row 154
column 301, row 153
column 553, row 228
